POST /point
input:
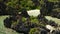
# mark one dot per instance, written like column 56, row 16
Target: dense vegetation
column 30, row 25
column 47, row 7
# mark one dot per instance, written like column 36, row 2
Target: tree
column 2, row 8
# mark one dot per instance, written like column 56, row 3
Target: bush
column 34, row 31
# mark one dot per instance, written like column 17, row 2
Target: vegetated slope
column 4, row 30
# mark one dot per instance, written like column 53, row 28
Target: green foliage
column 1, row 0
column 26, row 4
column 34, row 19
column 41, row 2
column 53, row 0
column 57, row 9
column 20, row 4
column 24, row 19
column 12, row 3
column 34, row 31
column 14, row 23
